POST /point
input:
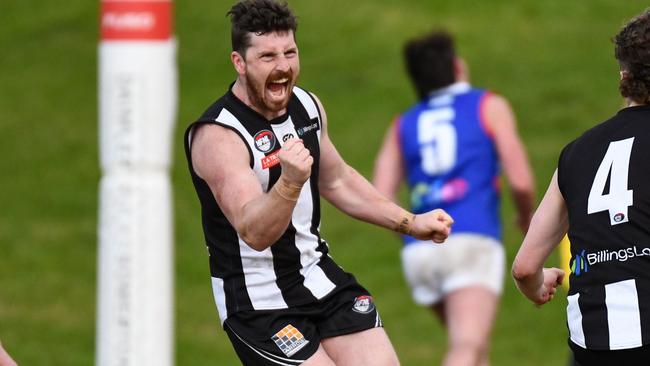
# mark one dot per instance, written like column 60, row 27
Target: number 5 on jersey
column 615, row 166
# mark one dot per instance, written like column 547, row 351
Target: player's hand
column 296, row 162
column 434, row 225
column 552, row 279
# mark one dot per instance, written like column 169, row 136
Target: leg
column 320, row 358
column 469, row 315
column 366, row 348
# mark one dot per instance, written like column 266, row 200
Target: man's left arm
column 350, row 192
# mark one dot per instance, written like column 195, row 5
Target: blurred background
column 553, row 59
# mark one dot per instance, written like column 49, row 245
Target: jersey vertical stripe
column 623, row 315
column 219, row 297
column 286, row 253
column 258, row 269
column 326, row 264
column 313, row 276
column 308, row 102
column 594, row 316
column 574, row 317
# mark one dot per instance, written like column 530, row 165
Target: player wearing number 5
column 600, row 194
column 447, row 148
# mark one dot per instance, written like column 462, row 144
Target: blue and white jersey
column 450, row 159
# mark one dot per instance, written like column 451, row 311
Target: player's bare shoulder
column 215, row 148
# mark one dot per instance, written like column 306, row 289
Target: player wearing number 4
column 448, row 147
column 600, row 194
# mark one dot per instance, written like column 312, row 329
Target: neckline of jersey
column 635, row 108
column 275, row 121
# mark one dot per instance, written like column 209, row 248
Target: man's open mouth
column 278, row 86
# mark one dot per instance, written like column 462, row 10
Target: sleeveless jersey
column 604, row 177
column 451, row 161
column 296, row 269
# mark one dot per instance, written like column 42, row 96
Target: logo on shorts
column 363, row 304
column 289, row 340
column 264, row 141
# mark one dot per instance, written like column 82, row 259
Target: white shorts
column 464, row 260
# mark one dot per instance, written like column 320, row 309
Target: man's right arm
column 548, row 226
column 221, row 159
column 502, row 125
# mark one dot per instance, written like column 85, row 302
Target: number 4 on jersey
column 615, row 165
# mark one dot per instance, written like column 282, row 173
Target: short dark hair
column 632, row 51
column 430, row 61
column 259, row 17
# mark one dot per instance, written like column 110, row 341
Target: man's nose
column 282, row 64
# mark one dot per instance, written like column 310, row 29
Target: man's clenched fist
column 434, row 225
column 295, row 161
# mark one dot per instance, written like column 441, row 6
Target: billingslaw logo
column 581, row 262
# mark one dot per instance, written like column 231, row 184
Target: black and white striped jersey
column 296, row 269
column 604, row 177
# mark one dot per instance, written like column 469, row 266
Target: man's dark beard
column 257, row 96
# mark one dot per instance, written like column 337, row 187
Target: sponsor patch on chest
column 264, row 141
column 270, row 160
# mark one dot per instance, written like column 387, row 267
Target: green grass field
column 553, row 59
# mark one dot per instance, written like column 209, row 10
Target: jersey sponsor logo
column 424, row 194
column 621, row 255
column 288, row 136
column 289, row 340
column 264, row 141
column 363, row 304
column 578, row 264
column 270, row 160
column 302, row 131
column 581, row 263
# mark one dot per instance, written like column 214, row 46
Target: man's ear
column 461, row 71
column 623, row 74
column 239, row 62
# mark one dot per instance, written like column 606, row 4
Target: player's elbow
column 523, row 186
column 257, row 245
column 522, row 270
column 259, row 238
column 257, row 241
